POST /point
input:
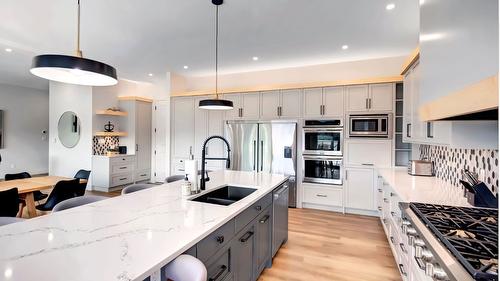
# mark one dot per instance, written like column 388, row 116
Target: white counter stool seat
column 136, row 187
column 9, row 220
column 77, row 201
column 185, row 268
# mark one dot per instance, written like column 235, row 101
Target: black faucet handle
column 207, row 178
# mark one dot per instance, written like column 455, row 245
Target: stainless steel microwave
column 375, row 126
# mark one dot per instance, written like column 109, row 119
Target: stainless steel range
column 452, row 243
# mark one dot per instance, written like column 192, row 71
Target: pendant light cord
column 78, row 51
column 216, row 51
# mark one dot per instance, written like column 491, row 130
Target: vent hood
column 478, row 101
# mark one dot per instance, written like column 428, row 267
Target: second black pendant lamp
column 216, row 104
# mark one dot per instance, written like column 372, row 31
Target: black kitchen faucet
column 203, row 158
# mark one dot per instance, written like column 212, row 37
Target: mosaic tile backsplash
column 450, row 162
column 100, row 145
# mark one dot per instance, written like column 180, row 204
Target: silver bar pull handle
column 254, row 153
column 261, row 155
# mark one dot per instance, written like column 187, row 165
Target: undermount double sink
column 225, row 196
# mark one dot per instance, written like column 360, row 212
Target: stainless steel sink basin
column 226, row 195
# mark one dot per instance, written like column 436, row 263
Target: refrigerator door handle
column 254, row 153
column 261, row 155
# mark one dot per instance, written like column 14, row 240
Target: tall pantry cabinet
column 138, row 140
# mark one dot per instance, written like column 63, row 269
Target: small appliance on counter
column 421, row 168
column 122, row 149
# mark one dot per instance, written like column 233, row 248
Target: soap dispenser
column 186, row 186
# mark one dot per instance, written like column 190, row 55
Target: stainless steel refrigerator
column 265, row 147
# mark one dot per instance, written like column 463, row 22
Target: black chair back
column 18, row 176
column 9, row 203
column 82, row 174
column 63, row 190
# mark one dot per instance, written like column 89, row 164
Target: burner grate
column 470, row 234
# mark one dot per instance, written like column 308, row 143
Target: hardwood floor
column 331, row 246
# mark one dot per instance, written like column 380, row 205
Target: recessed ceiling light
column 345, row 47
column 150, row 74
column 431, row 36
column 390, row 6
column 185, row 67
column 8, row 50
column 422, row 2
column 255, row 58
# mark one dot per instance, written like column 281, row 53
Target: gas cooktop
column 470, row 234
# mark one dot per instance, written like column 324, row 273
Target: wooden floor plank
column 331, row 246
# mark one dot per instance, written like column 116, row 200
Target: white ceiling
column 154, row 36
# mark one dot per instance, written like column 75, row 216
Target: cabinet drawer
column 330, row 196
column 178, row 166
column 121, row 180
column 118, row 160
column 123, row 168
column 142, row 175
column 220, row 268
column 252, row 212
column 215, row 241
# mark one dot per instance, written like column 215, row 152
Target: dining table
column 27, row 186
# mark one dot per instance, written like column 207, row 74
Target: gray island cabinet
column 242, row 248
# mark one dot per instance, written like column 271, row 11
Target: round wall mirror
column 68, row 129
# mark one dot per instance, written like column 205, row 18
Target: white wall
column 317, row 73
column 26, row 116
column 65, row 97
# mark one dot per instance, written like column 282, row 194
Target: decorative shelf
column 111, row 112
column 111, row 134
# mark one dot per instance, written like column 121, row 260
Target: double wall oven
column 322, row 151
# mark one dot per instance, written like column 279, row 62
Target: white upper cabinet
column 333, row 101
column 200, row 126
column 357, row 98
column 250, row 106
column 234, row 113
column 360, row 189
column 370, row 98
column 381, row 97
column 245, row 106
column 290, row 103
column 313, row 102
column 270, row 104
column 182, row 126
column 324, row 102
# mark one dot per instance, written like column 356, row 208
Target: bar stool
column 77, row 201
column 9, row 220
column 185, row 268
column 136, row 187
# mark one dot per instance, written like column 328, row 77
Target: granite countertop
column 422, row 189
column 122, row 238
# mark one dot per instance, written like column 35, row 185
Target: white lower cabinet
column 318, row 195
column 109, row 172
column 360, row 189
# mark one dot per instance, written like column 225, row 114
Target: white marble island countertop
column 123, row 238
column 422, row 189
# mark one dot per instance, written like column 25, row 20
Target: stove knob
column 418, row 242
column 427, row 256
column 410, row 231
column 405, row 222
column 418, row 251
column 439, row 274
column 429, row 269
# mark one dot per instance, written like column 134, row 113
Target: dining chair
column 174, row 178
column 9, row 220
column 136, row 187
column 77, row 201
column 9, row 202
column 63, row 190
column 38, row 195
column 185, row 268
column 82, row 175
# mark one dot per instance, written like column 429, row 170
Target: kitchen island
column 129, row 237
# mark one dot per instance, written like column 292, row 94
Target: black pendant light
column 74, row 69
column 216, row 104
